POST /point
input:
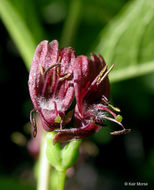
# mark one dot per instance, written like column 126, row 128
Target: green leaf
column 128, row 43
column 18, row 31
column 70, row 153
column 53, row 152
column 32, row 19
column 71, row 23
column 60, row 157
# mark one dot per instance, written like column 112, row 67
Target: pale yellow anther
column 58, row 71
column 110, row 105
column 107, row 72
column 114, row 108
column 101, row 73
column 59, row 59
column 42, row 70
column 55, row 65
column 65, row 77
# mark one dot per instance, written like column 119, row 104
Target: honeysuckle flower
column 92, row 91
column 50, row 84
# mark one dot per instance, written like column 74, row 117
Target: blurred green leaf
column 128, row 41
column 71, row 23
column 18, row 31
column 32, row 19
column 7, row 183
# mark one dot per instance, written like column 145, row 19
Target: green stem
column 71, row 23
column 61, row 180
column 44, row 168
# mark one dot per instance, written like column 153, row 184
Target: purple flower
column 92, row 91
column 55, row 76
column 50, row 84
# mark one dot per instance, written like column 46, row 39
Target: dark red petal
column 50, row 82
column 87, row 91
column 76, row 133
column 67, row 59
column 81, row 80
column 45, row 56
column 66, row 89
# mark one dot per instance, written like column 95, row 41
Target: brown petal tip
column 124, row 131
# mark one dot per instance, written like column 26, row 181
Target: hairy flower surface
column 55, row 76
column 50, row 83
column 92, row 91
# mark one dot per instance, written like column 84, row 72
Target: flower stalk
column 61, row 158
column 44, row 168
column 61, row 180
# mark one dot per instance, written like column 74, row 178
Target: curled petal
column 120, row 132
column 76, row 133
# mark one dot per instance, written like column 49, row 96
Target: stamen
column 35, row 132
column 124, row 131
column 115, row 121
column 106, row 109
column 55, row 65
column 101, row 73
column 58, row 71
column 33, row 122
column 65, row 77
column 96, row 81
column 31, row 116
column 58, row 68
column 114, row 108
column 105, row 75
column 42, row 70
column 105, row 100
column 59, row 59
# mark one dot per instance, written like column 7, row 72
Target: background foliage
column 122, row 31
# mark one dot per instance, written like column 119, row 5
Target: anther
column 65, row 77
column 42, row 70
column 58, row 71
column 58, row 68
column 35, row 132
column 59, row 59
column 105, row 75
column 101, row 73
column 105, row 100
column 124, row 131
column 33, row 122
column 114, row 108
column 55, row 65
